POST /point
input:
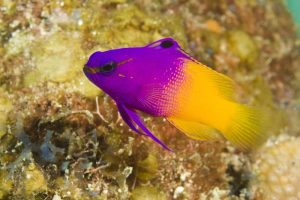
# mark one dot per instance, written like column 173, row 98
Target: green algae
column 243, row 46
column 147, row 169
column 6, row 185
column 85, row 87
column 34, row 180
column 5, row 107
column 58, row 60
column 128, row 24
column 9, row 7
column 147, row 193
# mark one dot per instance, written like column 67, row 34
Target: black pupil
column 166, row 44
column 108, row 67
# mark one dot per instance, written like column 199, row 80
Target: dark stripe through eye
column 105, row 68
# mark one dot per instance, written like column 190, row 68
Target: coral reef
column 62, row 138
column 5, row 108
column 276, row 167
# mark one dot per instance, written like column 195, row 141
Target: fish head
column 108, row 70
column 121, row 72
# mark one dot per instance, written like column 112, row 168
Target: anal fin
column 196, row 130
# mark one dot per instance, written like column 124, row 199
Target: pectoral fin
column 196, row 130
column 132, row 118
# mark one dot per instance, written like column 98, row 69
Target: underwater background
column 62, row 138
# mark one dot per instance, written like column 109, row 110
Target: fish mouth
column 91, row 70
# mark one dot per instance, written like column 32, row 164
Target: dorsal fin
column 212, row 79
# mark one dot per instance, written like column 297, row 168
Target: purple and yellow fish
column 161, row 79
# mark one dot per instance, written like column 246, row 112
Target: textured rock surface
column 62, row 138
column 277, row 165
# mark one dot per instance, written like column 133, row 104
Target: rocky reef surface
column 62, row 138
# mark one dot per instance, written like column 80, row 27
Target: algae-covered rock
column 34, row 180
column 6, row 184
column 18, row 43
column 277, row 169
column 147, row 168
column 129, row 24
column 85, row 87
column 58, row 57
column 5, row 108
column 147, row 193
column 91, row 153
column 32, row 78
column 8, row 6
column 242, row 45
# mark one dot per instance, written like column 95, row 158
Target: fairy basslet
column 161, row 79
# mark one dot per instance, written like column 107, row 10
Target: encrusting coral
column 276, row 167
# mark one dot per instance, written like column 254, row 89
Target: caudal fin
column 248, row 128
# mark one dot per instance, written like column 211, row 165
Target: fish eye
column 108, row 67
column 166, row 44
